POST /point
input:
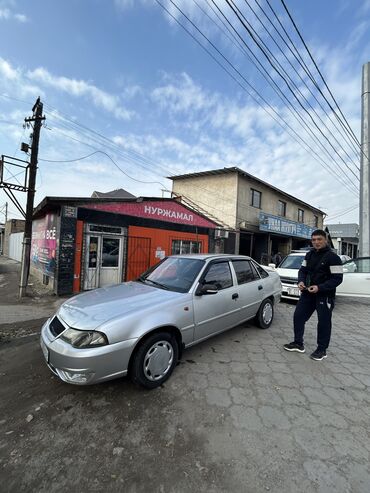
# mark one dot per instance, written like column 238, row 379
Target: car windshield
column 292, row 262
column 174, row 274
column 359, row 265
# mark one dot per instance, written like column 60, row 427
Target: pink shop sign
column 162, row 211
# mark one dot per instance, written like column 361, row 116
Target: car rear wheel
column 154, row 360
column 265, row 314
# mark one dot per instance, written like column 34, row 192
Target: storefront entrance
column 103, row 259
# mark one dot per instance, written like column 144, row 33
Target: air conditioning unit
column 221, row 233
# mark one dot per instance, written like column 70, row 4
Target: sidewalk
column 37, row 305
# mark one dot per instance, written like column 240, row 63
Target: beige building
column 259, row 219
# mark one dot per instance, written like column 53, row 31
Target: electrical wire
column 340, row 179
column 262, row 70
column 98, row 151
column 317, row 68
column 239, row 15
column 289, row 81
column 343, row 213
column 296, row 54
column 334, row 123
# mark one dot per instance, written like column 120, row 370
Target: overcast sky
column 122, row 83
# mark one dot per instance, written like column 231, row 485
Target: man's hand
column 313, row 289
column 301, row 286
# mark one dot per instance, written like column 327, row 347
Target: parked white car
column 356, row 276
column 288, row 272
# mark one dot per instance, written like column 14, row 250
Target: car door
column 214, row 313
column 251, row 288
column 356, row 278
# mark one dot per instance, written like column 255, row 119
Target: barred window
column 186, row 246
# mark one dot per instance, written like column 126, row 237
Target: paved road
column 239, row 414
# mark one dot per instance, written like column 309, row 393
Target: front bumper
column 290, row 291
column 85, row 366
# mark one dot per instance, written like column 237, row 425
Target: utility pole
column 37, row 119
column 365, row 164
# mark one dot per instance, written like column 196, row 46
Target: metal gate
column 138, row 256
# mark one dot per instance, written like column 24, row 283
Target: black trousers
column 306, row 305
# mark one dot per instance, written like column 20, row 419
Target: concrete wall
column 269, row 204
column 228, row 198
column 216, row 194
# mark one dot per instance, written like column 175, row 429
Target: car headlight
column 84, row 338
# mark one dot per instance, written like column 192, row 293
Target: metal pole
column 25, row 267
column 365, row 164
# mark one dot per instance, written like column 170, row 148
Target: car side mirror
column 206, row 289
column 272, row 266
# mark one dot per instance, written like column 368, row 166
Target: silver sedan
column 140, row 327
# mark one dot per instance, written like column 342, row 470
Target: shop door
column 110, row 261
column 103, row 261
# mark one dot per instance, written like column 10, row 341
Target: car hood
column 91, row 309
column 293, row 273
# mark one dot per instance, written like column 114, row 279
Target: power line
column 239, row 15
column 335, row 216
column 339, row 129
column 280, row 94
column 317, row 68
column 108, row 156
column 340, row 178
column 303, row 65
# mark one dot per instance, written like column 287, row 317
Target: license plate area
column 293, row 291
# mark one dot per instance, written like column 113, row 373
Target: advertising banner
column 44, row 244
column 280, row 225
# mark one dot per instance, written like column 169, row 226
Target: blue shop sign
column 276, row 224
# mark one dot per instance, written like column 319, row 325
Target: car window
column 174, row 273
column 261, row 271
column 359, row 265
column 292, row 262
column 219, row 275
column 244, row 271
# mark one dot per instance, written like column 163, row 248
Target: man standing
column 321, row 272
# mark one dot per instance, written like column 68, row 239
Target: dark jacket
column 322, row 268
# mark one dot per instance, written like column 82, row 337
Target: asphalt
column 239, row 414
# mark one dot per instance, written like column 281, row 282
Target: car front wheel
column 265, row 314
column 154, row 360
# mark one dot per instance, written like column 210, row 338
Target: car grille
column 56, row 327
column 289, row 280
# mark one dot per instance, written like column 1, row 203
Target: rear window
column 292, row 262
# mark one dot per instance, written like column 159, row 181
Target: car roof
column 212, row 256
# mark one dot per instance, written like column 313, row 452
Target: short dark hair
column 319, row 232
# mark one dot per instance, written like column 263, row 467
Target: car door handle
column 260, row 287
column 235, row 296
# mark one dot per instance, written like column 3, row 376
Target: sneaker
column 318, row 355
column 293, row 346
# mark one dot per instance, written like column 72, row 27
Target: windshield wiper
column 160, row 285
